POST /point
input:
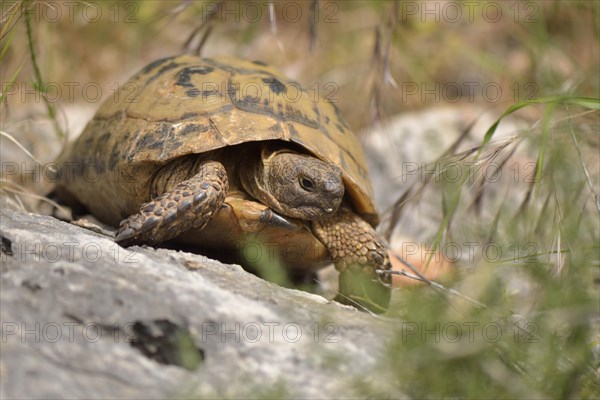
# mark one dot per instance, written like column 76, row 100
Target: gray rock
column 85, row 318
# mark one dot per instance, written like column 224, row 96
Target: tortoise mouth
column 309, row 213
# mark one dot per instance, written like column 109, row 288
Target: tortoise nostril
column 331, row 186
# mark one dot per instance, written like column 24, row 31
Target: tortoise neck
column 250, row 172
column 253, row 176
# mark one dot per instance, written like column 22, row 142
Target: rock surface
column 84, row 318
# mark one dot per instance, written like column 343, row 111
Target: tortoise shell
column 185, row 105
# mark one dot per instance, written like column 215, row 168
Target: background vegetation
column 534, row 332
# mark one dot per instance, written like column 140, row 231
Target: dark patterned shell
column 185, row 105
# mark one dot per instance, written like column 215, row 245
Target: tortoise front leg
column 191, row 203
column 356, row 252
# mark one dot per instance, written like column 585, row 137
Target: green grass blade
column 587, row 102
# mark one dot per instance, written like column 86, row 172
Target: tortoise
column 224, row 153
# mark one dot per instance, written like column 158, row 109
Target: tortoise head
column 294, row 184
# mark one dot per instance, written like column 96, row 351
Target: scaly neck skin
column 251, row 169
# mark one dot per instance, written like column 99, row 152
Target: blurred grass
column 535, row 264
column 556, row 55
column 386, row 58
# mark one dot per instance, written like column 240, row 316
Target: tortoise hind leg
column 357, row 253
column 191, row 203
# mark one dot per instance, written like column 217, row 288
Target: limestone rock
column 85, row 318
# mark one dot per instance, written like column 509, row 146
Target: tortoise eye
column 307, row 184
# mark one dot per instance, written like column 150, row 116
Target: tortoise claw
column 270, row 217
column 124, row 234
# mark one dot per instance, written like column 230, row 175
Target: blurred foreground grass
column 535, row 262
